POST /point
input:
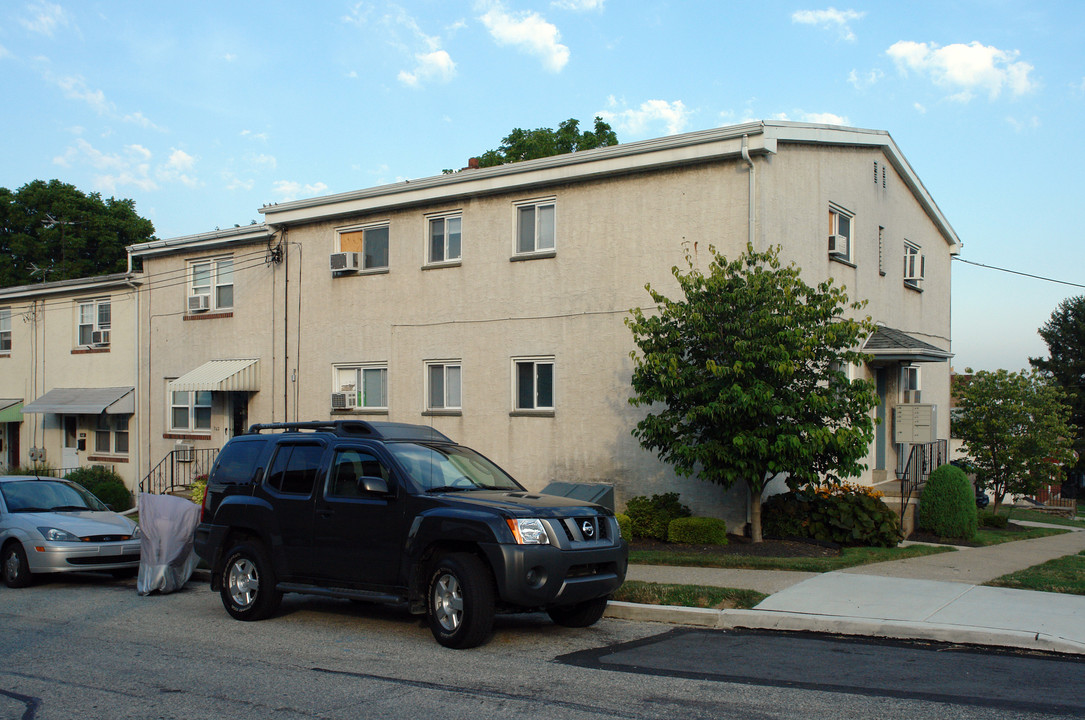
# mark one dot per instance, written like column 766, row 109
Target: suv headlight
column 57, row 535
column 529, row 531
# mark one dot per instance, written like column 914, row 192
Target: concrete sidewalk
column 934, row 597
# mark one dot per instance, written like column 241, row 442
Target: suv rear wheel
column 248, row 583
column 579, row 615
column 460, row 601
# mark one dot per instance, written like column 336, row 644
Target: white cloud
column 235, row 183
column 639, row 122
column 131, row 167
column 921, row 109
column 1031, row 123
column 254, row 135
column 262, row 162
column 965, row 68
column 290, row 190
column 358, row 14
column 4, row 52
column 229, row 57
column 75, row 88
column 178, row 168
column 1076, row 86
column 142, row 120
column 579, row 5
column 45, row 18
column 529, row 32
column 862, row 82
column 830, row 19
column 819, row 118
column 436, row 65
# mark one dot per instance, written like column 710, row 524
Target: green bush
column 650, row 517
column 36, row 469
column 105, row 485
column 947, row 506
column 697, row 531
column 625, row 525
column 991, row 520
column 840, row 513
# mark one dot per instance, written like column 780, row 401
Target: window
column 350, row 466
column 111, row 434
column 190, row 410
column 370, row 382
column 444, row 239
column 120, row 434
column 102, row 435
column 294, row 469
column 371, row 242
column 535, row 227
column 910, row 386
column 915, row 265
column 533, row 380
column 443, row 386
column 213, row 280
column 94, row 322
column 840, row 233
column 5, row 330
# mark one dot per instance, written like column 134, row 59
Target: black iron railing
column 923, row 459
column 178, row 470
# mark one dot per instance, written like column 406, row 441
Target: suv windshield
column 437, row 468
column 47, row 496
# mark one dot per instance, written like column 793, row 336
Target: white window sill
column 443, row 264
column 539, row 255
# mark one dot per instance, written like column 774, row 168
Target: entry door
column 70, row 455
column 239, row 414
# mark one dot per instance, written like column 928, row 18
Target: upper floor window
column 915, row 264
column 445, row 234
column 840, row 233
column 443, row 385
column 371, row 242
column 910, row 385
column 5, row 330
column 533, row 380
column 94, row 323
column 190, row 410
column 211, row 284
column 360, row 386
column 535, row 226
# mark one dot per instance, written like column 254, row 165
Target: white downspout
column 750, row 193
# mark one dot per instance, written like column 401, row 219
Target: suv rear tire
column 579, row 615
column 248, row 583
column 460, row 601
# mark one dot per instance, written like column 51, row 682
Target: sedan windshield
column 48, row 496
column 445, row 468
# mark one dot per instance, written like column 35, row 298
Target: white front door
column 69, row 457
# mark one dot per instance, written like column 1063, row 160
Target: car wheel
column 248, row 583
column 460, row 601
column 579, row 615
column 15, row 568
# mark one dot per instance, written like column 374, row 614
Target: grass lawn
column 1042, row 517
column 700, row 596
column 849, row 557
column 993, row 536
column 1061, row 575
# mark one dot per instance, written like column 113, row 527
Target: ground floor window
column 190, row 410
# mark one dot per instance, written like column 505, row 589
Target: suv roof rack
column 358, row 428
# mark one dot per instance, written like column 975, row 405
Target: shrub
column 198, row 489
column 839, row 513
column 625, row 525
column 993, row 520
column 650, row 517
column 105, row 485
column 697, row 531
column 947, row 506
column 36, row 469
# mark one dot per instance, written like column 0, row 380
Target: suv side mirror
column 373, row 485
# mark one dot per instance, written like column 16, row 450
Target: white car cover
column 167, row 525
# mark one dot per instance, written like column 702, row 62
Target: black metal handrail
column 178, row 470
column 923, row 459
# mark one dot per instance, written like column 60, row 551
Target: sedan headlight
column 57, row 535
column 135, row 533
column 529, row 531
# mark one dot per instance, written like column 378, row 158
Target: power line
column 1018, row 272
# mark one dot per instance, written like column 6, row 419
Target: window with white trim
column 5, row 330
column 94, row 322
column 910, row 384
column 212, row 279
column 840, row 232
column 368, row 384
column 111, row 434
column 535, row 227
column 371, row 241
column 533, row 383
column 443, row 385
column 915, row 264
column 444, row 238
column 190, row 410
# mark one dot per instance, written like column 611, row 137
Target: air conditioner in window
column 184, row 452
column 838, row 245
column 99, row 337
column 344, row 400
column 199, row 303
column 342, row 262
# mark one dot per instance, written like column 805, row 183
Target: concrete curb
column 837, row 625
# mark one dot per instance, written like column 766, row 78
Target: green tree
column 1016, row 430
column 53, row 231
column 1064, row 334
column 543, row 142
column 745, row 377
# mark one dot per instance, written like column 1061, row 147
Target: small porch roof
column 85, row 401
column 220, row 376
column 888, row 345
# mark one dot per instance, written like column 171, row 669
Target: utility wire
column 1017, row 272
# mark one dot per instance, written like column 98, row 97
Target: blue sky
column 204, row 111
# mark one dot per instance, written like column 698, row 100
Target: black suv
column 400, row 514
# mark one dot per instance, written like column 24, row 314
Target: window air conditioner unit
column 199, row 303
column 344, row 400
column 99, row 337
column 838, row 245
column 184, row 452
column 345, row 262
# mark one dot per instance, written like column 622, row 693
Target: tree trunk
column 755, row 514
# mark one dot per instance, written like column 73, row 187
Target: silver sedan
column 51, row 526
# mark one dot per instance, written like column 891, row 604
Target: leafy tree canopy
column 1064, row 334
column 65, row 234
column 531, row 144
column 745, row 376
column 1016, row 430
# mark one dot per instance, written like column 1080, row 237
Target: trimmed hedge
column 697, row 531
column 843, row 514
column 105, row 485
column 947, row 506
column 650, row 517
column 625, row 525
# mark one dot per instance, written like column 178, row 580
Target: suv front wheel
column 460, row 601
column 248, row 583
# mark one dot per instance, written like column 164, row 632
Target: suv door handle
column 325, row 514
